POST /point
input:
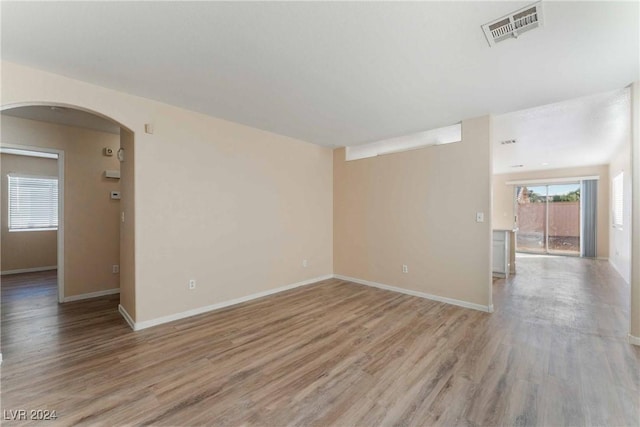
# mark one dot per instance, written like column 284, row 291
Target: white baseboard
column 127, row 317
column 29, row 270
column 91, row 295
column 617, row 269
column 634, row 340
column 465, row 304
column 200, row 310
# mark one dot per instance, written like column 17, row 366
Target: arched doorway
column 122, row 150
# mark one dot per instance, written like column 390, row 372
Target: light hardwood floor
column 334, row 353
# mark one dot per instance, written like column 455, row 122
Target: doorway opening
column 548, row 219
column 94, row 248
column 32, row 199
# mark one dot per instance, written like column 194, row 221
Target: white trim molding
column 29, row 270
column 91, row 295
column 634, row 340
column 136, row 326
column 29, row 153
column 460, row 303
column 61, row 163
column 617, row 269
column 551, row 181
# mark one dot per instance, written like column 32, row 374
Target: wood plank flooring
column 333, row 354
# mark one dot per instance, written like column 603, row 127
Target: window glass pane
column 564, row 219
column 531, row 218
column 33, row 203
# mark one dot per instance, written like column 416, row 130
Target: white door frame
column 60, row 154
column 546, row 183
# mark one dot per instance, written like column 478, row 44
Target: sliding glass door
column 548, row 219
column 564, row 219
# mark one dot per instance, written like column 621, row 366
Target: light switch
column 115, row 195
column 479, row 216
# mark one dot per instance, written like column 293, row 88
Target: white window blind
column 618, row 204
column 33, row 203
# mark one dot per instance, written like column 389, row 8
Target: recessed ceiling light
column 545, row 164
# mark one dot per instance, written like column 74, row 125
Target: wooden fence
column 564, row 218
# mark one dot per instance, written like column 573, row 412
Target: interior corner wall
column 91, row 226
column 503, row 198
column 418, row 208
column 30, row 249
column 127, row 224
column 233, row 207
column 635, row 214
column 620, row 238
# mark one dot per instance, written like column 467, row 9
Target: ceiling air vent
column 508, row 142
column 514, row 24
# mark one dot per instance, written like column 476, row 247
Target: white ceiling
column 579, row 132
column 331, row 73
column 64, row 116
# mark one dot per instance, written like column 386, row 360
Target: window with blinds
column 618, row 203
column 33, row 203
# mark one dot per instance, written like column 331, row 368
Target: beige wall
column 233, row 207
column 418, row 208
column 32, row 249
column 503, row 209
column 91, row 227
column 620, row 239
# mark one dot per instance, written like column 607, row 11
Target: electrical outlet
column 115, row 269
column 405, row 268
column 192, row 284
column 305, row 263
